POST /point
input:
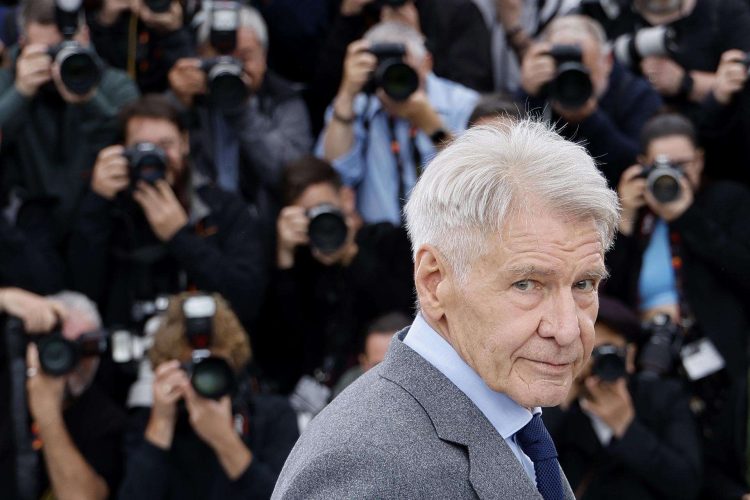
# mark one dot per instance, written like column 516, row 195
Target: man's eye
column 586, row 285
column 524, row 285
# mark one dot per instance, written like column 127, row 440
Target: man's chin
column 542, row 394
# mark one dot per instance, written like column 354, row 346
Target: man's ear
column 431, row 278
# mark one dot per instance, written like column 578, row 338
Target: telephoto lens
column 226, row 87
column 659, row 354
column 210, row 376
column 608, row 362
column 572, row 86
column 147, row 162
column 631, row 48
column 327, row 229
column 80, row 68
column 663, row 180
column 397, row 79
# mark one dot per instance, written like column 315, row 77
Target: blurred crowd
column 202, row 241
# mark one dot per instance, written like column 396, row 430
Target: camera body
column 397, row 79
column 662, row 350
column 147, row 162
column 327, row 229
column 59, row 356
column 631, row 48
column 663, row 179
column 226, row 86
column 608, row 362
column 571, row 87
column 80, row 68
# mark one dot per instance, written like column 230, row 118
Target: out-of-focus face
column 253, row 56
column 598, row 63
column 164, row 134
column 681, row 152
column 49, row 34
column 376, row 346
column 523, row 318
column 81, row 377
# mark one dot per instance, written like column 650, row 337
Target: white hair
column 249, row 18
column 495, row 171
column 80, row 305
column 578, row 24
column 397, row 32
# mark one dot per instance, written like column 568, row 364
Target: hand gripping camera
column 80, row 67
column 210, row 376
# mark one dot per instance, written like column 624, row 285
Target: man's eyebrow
column 599, row 273
column 530, row 270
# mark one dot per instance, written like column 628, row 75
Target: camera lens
column 608, row 362
column 665, row 187
column 398, row 80
column 57, row 356
column 212, row 378
column 572, row 86
column 327, row 228
column 79, row 70
column 226, row 88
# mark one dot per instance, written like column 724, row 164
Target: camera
column 158, row 6
column 663, row 179
column 59, row 356
column 80, row 67
column 397, row 79
column 327, row 229
column 608, row 362
column 571, row 86
column 631, row 48
column 226, row 86
column 658, row 355
column 147, row 162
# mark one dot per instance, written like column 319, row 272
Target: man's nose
column 560, row 319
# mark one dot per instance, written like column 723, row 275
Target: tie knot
column 536, row 441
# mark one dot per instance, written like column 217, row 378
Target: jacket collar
column 457, row 420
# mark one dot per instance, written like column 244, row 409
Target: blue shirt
column 656, row 283
column 370, row 166
column 505, row 415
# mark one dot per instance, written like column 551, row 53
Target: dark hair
column 305, row 172
column 666, row 125
column 494, row 106
column 154, row 106
column 619, row 318
column 387, row 323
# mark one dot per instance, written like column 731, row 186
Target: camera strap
column 396, row 152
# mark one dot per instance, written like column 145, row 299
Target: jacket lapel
column 494, row 471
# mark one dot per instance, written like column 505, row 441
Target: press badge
column 701, row 359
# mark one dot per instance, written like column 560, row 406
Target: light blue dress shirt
column 505, row 415
column 656, row 283
column 370, row 166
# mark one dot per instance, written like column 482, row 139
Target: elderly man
column 509, row 225
column 378, row 143
column 77, row 429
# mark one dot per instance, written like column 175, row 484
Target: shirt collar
column 505, row 415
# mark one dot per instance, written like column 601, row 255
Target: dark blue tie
column 536, row 442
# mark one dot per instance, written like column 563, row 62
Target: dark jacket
column 154, row 52
column 715, row 234
column 611, row 134
column 726, row 449
column 191, row 470
column 115, row 258
column 314, row 313
column 272, row 129
column 49, row 146
column 659, row 456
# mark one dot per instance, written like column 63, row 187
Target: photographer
column 149, row 226
column 622, row 436
column 594, row 98
column 333, row 272
column 242, row 145
column 379, row 142
column 52, row 133
column 75, row 426
column 143, row 37
column 191, row 446
column 682, row 247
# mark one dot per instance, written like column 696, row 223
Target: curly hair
column 170, row 341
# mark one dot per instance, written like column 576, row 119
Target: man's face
column 681, row 152
column 597, row 62
column 164, row 134
column 376, row 345
column 524, row 318
column 250, row 51
column 49, row 34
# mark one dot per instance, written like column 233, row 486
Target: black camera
column 663, row 179
column 147, row 162
column 59, row 356
column 397, row 79
column 572, row 86
column 608, row 362
column 80, row 67
column 226, row 86
column 327, row 229
column 631, row 48
column 662, row 349
column 158, row 6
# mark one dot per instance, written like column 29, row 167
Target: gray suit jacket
column 403, row 430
